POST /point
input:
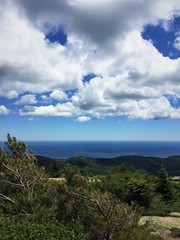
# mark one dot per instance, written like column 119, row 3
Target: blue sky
column 70, row 71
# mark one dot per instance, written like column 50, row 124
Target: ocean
column 103, row 149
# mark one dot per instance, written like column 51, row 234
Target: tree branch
column 11, row 183
column 11, row 170
column 4, row 197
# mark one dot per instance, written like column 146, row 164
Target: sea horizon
column 102, row 149
column 26, row 141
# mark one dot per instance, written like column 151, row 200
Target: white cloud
column 4, row 110
column 60, row 110
column 83, row 119
column 26, row 99
column 104, row 38
column 58, row 95
column 30, row 119
column 12, row 94
column 177, row 43
column 150, row 109
column 27, row 61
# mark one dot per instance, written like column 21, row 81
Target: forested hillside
column 103, row 165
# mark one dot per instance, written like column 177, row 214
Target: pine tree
column 164, row 185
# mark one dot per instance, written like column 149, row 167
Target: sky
column 90, row 70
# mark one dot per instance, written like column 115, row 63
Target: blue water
column 107, row 149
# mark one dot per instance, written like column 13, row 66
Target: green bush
column 23, row 229
column 163, row 209
column 175, row 232
column 138, row 233
column 130, row 186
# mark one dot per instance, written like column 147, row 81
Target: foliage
column 55, row 169
column 24, row 229
column 102, row 215
column 140, row 190
column 129, row 186
column 175, row 232
column 161, row 208
column 101, row 166
column 82, row 206
column 164, row 185
column 138, row 233
column 23, row 186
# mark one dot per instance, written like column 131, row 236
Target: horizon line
column 98, row 140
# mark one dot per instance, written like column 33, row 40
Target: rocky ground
column 166, row 227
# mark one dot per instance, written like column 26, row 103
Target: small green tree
column 130, row 186
column 164, row 185
column 141, row 191
column 23, row 186
column 103, row 216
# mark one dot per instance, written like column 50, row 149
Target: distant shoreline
column 121, row 156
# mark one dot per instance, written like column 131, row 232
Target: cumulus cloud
column 27, row 61
column 83, row 119
column 26, row 99
column 59, row 110
column 4, row 110
column 104, row 38
column 12, row 94
column 99, row 21
column 150, row 109
column 58, row 95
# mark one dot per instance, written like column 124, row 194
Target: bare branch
column 93, row 200
column 4, row 197
column 11, row 183
column 11, row 170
